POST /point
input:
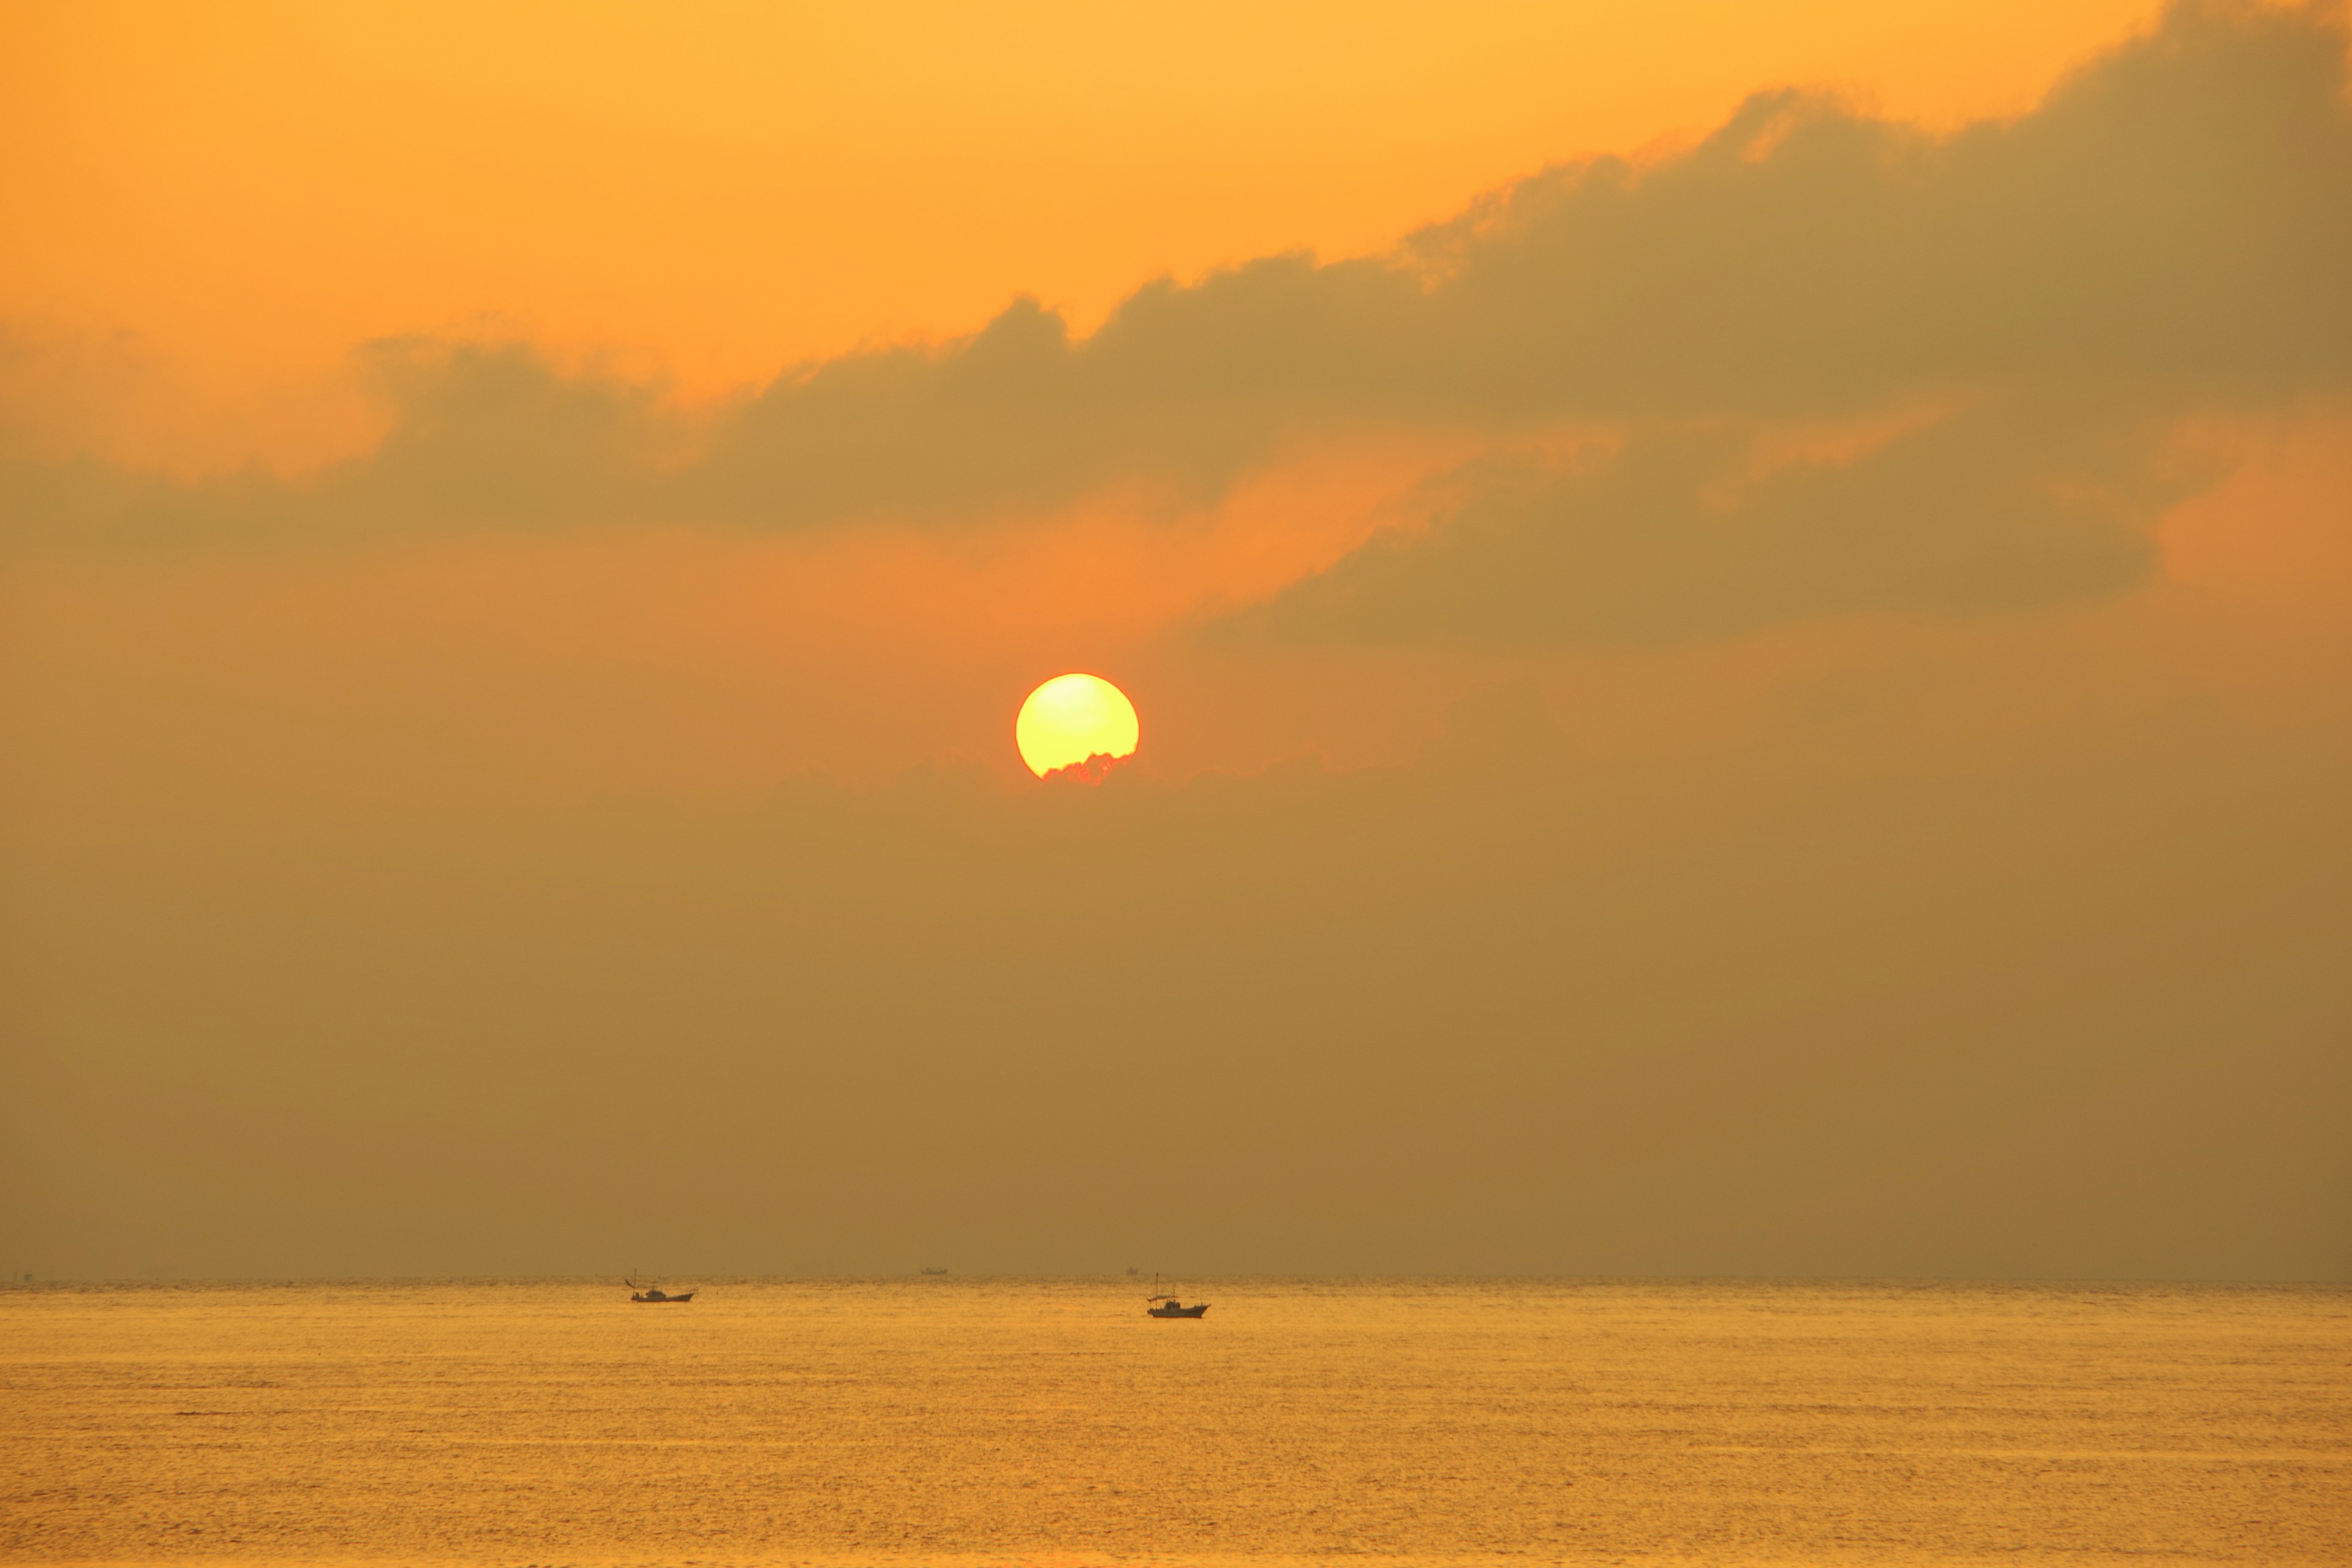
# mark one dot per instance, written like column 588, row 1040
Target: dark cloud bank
column 2169, row 231
column 1514, row 1009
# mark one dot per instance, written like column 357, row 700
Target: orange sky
column 1820, row 662
column 717, row 195
column 209, row 205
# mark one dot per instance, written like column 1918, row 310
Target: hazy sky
column 1739, row 615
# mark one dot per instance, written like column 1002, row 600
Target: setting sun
column 1071, row 721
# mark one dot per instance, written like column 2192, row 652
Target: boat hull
column 1175, row 1311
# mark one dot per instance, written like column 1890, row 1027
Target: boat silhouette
column 1170, row 1307
column 655, row 1293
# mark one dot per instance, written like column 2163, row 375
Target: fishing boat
column 1159, row 1306
column 655, row 1293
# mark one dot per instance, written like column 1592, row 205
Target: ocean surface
column 1049, row 1422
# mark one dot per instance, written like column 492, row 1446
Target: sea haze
column 946, row 1420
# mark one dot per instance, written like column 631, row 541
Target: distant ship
column 1170, row 1307
column 655, row 1293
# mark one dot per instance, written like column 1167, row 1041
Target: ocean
column 1048, row 1422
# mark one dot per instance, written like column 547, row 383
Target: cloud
column 1515, row 1008
column 2168, row 231
column 2005, row 506
column 2176, row 212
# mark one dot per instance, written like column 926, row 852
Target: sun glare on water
column 1076, row 721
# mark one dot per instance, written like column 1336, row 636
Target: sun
column 1076, row 721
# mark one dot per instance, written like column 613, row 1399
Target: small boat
column 1170, row 1307
column 655, row 1293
